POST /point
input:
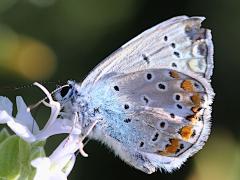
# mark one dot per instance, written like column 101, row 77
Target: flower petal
column 68, row 168
column 24, row 117
column 68, row 147
column 21, row 131
column 5, row 117
column 58, row 175
column 6, row 105
column 59, row 126
column 44, row 170
column 42, row 166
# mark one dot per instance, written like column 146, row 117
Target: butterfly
column 152, row 97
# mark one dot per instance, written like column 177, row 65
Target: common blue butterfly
column 151, row 97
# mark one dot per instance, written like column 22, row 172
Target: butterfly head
column 70, row 98
column 65, row 92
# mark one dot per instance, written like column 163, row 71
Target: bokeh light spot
column 34, row 60
column 219, row 159
column 9, row 42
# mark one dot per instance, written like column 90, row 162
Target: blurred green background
column 52, row 40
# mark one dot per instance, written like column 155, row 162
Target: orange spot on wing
column 193, row 118
column 196, row 109
column 186, row 132
column 196, row 99
column 174, row 74
column 171, row 148
column 187, row 86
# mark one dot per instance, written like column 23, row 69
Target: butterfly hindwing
column 162, row 113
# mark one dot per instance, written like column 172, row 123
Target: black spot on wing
column 146, row 58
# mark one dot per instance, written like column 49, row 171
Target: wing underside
column 167, row 113
column 179, row 43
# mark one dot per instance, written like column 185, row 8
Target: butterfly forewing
column 178, row 43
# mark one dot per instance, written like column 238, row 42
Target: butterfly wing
column 153, row 95
column 178, row 43
column 154, row 118
column 172, row 109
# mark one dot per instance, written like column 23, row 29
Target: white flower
column 26, row 127
column 60, row 163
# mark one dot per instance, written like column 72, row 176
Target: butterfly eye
column 64, row 91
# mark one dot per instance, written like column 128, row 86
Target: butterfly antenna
column 31, row 107
column 13, row 88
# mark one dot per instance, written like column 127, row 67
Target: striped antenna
column 31, row 107
column 15, row 88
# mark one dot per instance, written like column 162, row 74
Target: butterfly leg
column 87, row 132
